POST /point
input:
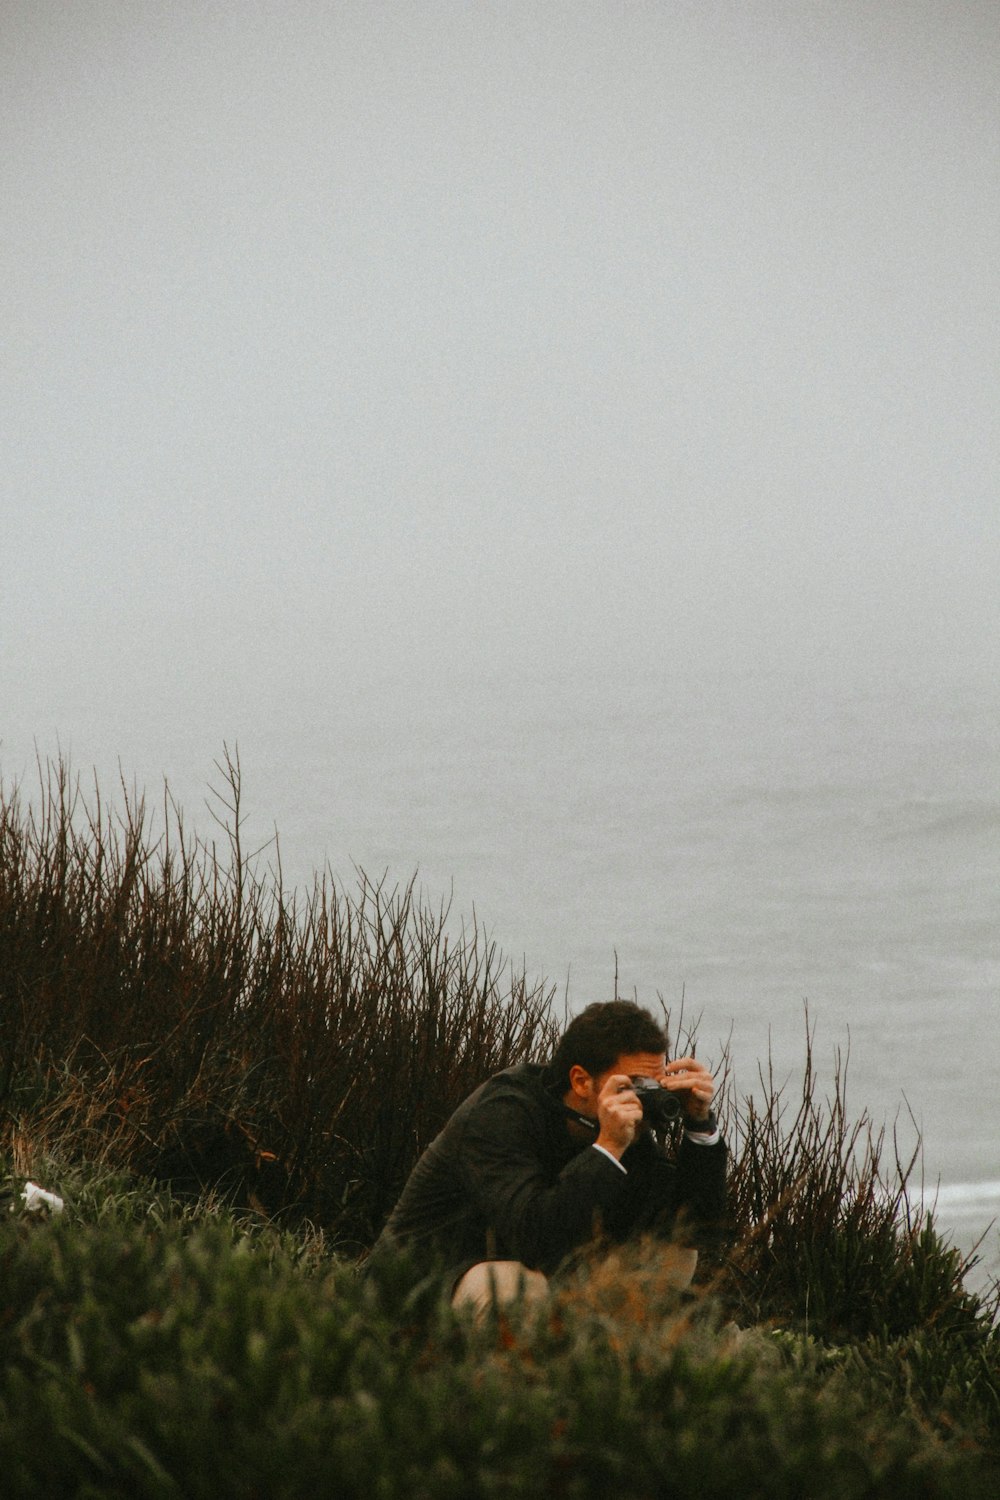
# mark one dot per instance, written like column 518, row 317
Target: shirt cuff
column 701, row 1139
column 605, row 1152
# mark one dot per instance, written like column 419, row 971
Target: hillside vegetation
column 229, row 1083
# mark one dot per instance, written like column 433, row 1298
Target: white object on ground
column 36, row 1198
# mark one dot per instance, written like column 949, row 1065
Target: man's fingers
column 623, row 1104
column 706, row 1095
column 618, row 1083
column 685, row 1067
column 619, row 1100
column 692, row 1078
column 689, row 1080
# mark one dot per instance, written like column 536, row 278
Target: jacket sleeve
column 701, row 1185
column 528, row 1217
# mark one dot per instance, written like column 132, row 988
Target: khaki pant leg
column 679, row 1265
column 498, row 1281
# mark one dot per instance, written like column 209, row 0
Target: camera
column 660, row 1108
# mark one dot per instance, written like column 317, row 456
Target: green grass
column 152, row 1348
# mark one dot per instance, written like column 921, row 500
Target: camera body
column 660, row 1107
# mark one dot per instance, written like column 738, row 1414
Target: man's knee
column 495, row 1282
column 678, row 1265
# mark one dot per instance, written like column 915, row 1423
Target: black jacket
column 505, row 1180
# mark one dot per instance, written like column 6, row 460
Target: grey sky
column 338, row 336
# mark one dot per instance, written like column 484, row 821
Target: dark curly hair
column 599, row 1035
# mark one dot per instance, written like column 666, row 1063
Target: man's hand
column 695, row 1084
column 619, row 1114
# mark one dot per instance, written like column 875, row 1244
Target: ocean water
column 773, row 852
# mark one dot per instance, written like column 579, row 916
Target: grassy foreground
column 151, row 1349
column 229, row 1083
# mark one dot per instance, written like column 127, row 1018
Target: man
column 542, row 1159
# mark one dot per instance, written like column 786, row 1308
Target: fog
column 346, row 343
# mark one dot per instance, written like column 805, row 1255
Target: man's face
column 633, row 1065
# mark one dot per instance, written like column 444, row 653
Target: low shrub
column 823, row 1233
column 150, row 1349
